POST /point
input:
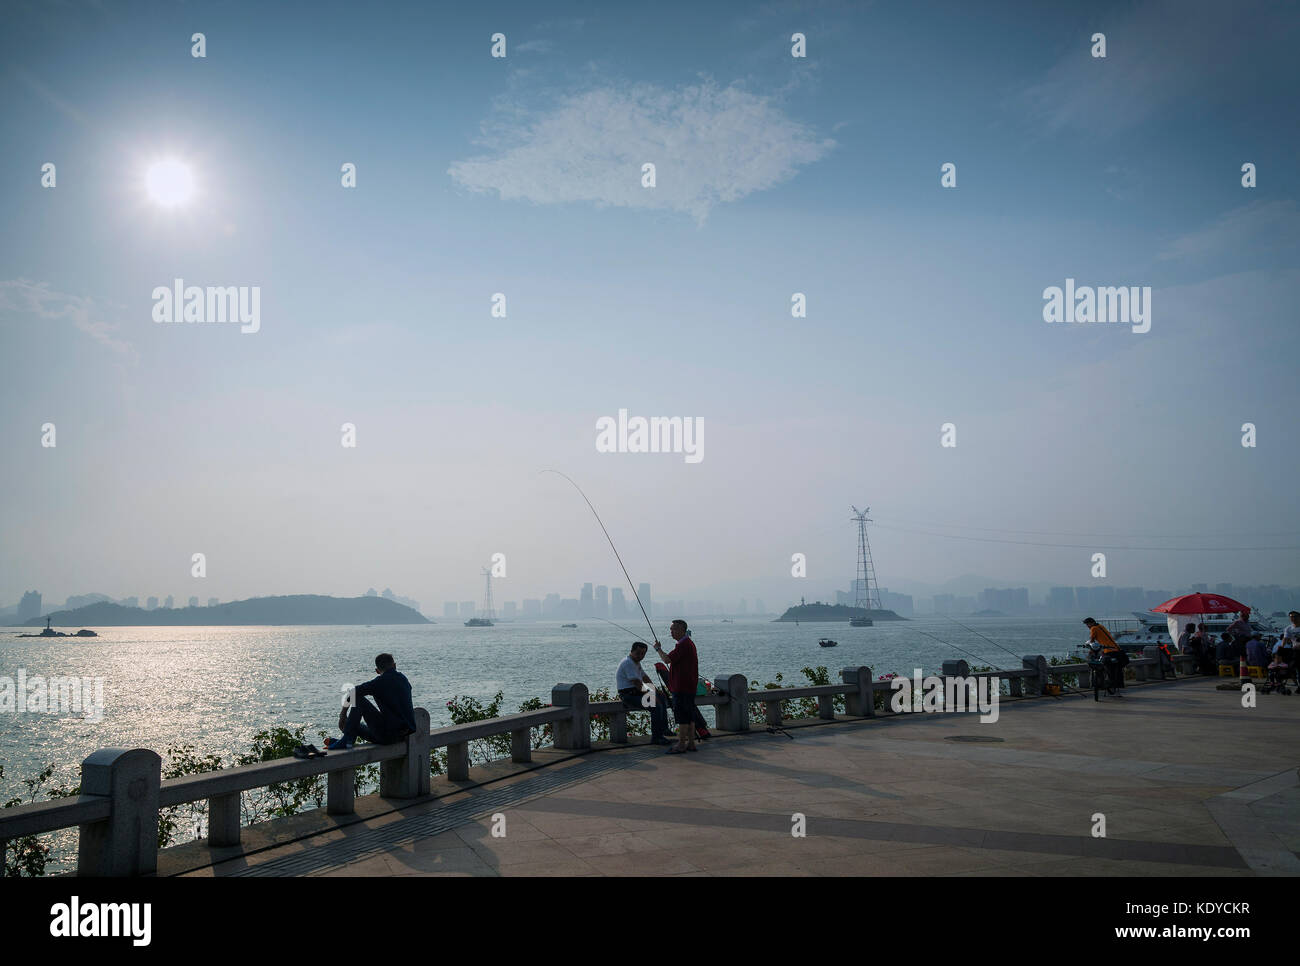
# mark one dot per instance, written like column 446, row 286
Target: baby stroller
column 701, row 729
column 1279, row 670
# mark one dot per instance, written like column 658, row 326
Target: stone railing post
column 618, row 727
column 521, row 745
column 1038, row 664
column 341, row 792
column 574, row 732
column 826, row 707
column 126, row 843
column 733, row 714
column 860, row 703
column 224, row 820
column 1153, row 651
column 408, row 776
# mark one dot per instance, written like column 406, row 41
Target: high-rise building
column 551, row 606
column 168, row 603
column 532, row 608
column 449, row 609
column 213, row 601
column 1060, row 600
column 617, row 605
column 151, row 603
column 1200, row 588
column 585, row 602
column 1130, row 598
column 29, row 607
column 900, row 604
column 643, row 591
column 601, row 602
column 130, row 602
column 1154, row 598
column 194, row 602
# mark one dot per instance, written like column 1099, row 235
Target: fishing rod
column 630, row 585
column 996, row 644
column 978, row 634
column 962, row 649
column 619, row 626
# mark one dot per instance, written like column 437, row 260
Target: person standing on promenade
column 628, row 680
column 683, row 678
column 1240, row 631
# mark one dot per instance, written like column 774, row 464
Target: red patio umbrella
column 1201, row 604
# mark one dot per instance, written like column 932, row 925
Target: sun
column 170, row 183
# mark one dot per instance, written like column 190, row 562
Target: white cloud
column 709, row 144
column 37, row 298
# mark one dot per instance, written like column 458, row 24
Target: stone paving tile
column 895, row 797
column 609, row 843
column 500, row 853
column 562, row 867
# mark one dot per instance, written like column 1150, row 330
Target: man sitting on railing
column 629, row 679
column 387, row 724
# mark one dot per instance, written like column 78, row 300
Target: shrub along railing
column 122, row 789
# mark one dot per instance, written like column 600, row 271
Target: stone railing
column 122, row 790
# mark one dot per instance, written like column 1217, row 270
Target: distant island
column 834, row 612
column 296, row 609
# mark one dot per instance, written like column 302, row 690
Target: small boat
column 827, row 642
column 568, row 625
column 860, row 622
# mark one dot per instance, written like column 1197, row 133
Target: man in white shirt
column 628, row 679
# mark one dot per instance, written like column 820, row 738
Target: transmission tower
column 866, row 590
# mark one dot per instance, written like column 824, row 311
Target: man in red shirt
column 683, row 678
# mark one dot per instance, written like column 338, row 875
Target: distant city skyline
column 1096, row 599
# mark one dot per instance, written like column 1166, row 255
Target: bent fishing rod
column 996, row 644
column 950, row 644
column 630, row 585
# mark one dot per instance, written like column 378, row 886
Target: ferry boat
column 827, row 642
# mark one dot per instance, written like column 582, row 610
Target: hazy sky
column 775, row 175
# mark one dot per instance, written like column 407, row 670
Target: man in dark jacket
column 386, row 724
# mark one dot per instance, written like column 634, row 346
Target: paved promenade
column 1189, row 782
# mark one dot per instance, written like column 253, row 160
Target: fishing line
column 996, row 644
column 978, row 634
column 631, row 586
column 950, row 644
